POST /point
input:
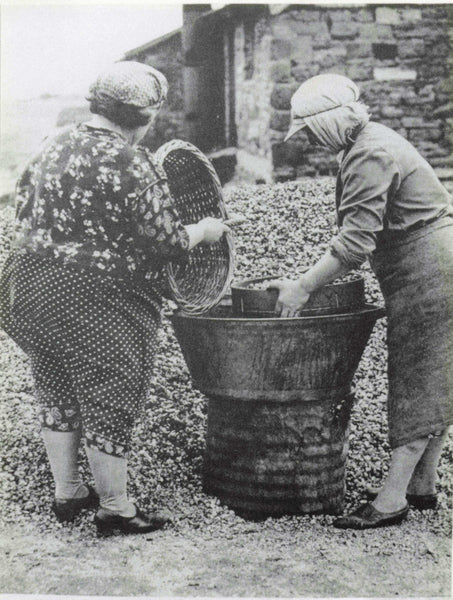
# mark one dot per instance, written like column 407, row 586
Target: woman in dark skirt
column 392, row 210
column 81, row 291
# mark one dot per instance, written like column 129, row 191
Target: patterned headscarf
column 328, row 105
column 131, row 83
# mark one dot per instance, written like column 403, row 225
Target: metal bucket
column 279, row 404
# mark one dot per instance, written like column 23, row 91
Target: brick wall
column 398, row 55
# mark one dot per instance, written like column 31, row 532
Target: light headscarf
column 132, row 83
column 328, row 105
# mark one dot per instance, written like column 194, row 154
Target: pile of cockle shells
column 287, row 228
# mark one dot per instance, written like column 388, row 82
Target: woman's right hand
column 209, row 230
column 292, row 297
column 213, row 229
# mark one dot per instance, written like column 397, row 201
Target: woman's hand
column 292, row 297
column 209, row 230
column 213, row 229
column 295, row 294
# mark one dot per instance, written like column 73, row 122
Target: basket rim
column 163, row 151
column 184, row 303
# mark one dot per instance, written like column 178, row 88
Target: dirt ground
column 265, row 559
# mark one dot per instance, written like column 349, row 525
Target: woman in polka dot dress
column 81, row 290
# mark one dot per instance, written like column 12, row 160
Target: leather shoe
column 419, row 501
column 106, row 522
column 367, row 517
column 66, row 510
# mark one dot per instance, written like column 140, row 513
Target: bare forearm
column 326, row 270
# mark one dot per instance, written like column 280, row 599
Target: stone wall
column 398, row 55
column 167, row 57
column 253, row 88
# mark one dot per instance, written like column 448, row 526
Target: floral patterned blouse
column 92, row 200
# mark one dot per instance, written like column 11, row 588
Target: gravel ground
column 284, row 558
column 289, row 226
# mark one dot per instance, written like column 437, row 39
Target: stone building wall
column 253, row 88
column 167, row 57
column 398, row 55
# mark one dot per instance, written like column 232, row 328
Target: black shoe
column 106, row 522
column 367, row 517
column 66, row 510
column 419, row 501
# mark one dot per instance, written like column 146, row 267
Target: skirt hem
column 427, row 431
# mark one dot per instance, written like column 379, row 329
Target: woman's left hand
column 292, row 297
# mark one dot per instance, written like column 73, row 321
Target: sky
column 60, row 48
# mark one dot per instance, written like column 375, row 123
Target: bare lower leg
column 392, row 496
column 424, row 477
column 62, row 450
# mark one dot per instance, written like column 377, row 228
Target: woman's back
column 80, row 202
column 381, row 155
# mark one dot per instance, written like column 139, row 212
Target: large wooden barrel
column 280, row 398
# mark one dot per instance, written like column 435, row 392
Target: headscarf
column 132, row 83
column 328, row 105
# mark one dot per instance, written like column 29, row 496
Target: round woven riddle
column 198, row 284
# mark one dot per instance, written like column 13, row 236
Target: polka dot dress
column 91, row 343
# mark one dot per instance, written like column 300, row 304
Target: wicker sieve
column 198, row 284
